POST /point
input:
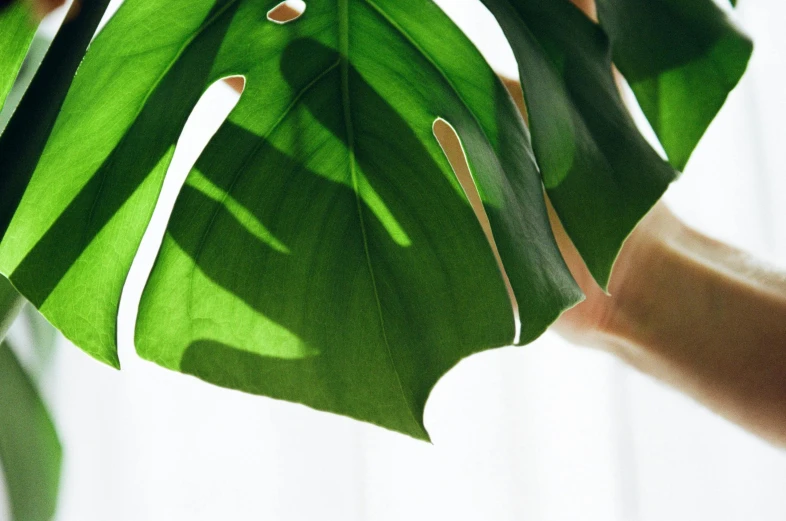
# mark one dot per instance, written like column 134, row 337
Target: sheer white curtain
column 546, row 432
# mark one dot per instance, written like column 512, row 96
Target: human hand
column 40, row 7
column 596, row 320
column 590, row 321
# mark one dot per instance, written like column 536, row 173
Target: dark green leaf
column 30, row 452
column 600, row 174
column 681, row 58
column 322, row 250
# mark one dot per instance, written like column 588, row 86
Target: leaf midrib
column 409, row 39
column 242, row 168
column 343, row 38
column 403, row 32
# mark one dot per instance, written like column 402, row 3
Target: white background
column 545, row 432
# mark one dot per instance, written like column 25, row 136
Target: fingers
column 42, row 8
column 588, row 6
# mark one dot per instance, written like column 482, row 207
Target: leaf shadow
column 125, row 169
column 429, row 312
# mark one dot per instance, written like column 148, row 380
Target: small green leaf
column 600, row 173
column 30, row 453
column 681, row 58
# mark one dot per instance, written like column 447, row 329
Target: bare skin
column 43, row 7
column 693, row 312
column 696, row 314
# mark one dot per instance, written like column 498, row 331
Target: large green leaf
column 322, row 250
column 600, row 173
column 16, row 33
column 681, row 58
column 30, row 453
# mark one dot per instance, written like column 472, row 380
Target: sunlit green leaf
column 26, row 134
column 681, row 58
column 322, row 250
column 33, row 59
column 30, row 453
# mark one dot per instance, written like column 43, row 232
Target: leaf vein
column 148, row 94
column 344, row 53
column 239, row 171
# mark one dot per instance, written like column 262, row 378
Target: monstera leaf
column 27, row 132
column 681, row 58
column 322, row 250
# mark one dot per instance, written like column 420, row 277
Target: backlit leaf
column 681, row 58
column 322, row 250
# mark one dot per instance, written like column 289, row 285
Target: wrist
column 640, row 292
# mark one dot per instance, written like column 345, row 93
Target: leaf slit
column 287, row 11
column 451, row 145
column 205, row 119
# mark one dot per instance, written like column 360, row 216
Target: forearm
column 705, row 318
column 693, row 312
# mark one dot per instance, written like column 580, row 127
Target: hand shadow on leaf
column 357, row 242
